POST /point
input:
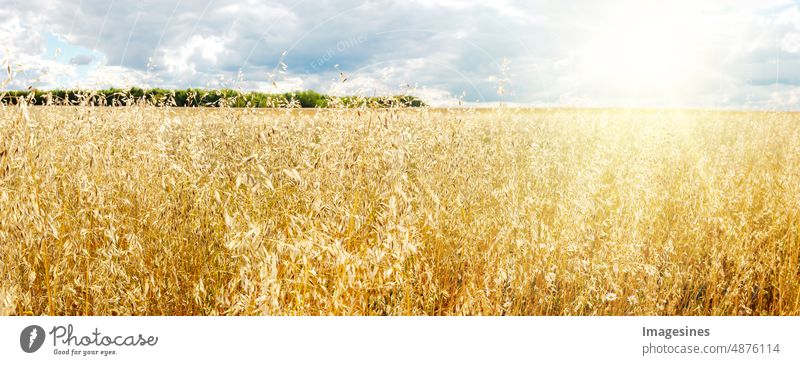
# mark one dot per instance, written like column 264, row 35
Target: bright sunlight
column 646, row 54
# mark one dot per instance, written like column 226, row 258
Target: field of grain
column 167, row 211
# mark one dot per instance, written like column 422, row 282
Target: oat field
column 169, row 211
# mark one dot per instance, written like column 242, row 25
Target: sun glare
column 645, row 56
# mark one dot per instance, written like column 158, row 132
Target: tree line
column 203, row 98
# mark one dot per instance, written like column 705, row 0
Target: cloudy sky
column 715, row 53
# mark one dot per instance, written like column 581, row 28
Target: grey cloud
column 81, row 60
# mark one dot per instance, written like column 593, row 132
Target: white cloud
column 184, row 58
column 107, row 76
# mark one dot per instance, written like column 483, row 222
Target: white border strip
column 403, row 340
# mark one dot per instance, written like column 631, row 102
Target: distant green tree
column 204, row 98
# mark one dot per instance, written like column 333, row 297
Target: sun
column 648, row 56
